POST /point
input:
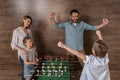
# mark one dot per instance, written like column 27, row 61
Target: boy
column 30, row 59
column 96, row 64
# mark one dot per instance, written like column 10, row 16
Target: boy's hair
column 74, row 11
column 25, row 39
column 100, row 48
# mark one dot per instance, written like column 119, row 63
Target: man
column 74, row 29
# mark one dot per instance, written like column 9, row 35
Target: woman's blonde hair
column 24, row 18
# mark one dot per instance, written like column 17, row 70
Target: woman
column 17, row 38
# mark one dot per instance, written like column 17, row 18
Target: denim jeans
column 28, row 71
column 22, row 64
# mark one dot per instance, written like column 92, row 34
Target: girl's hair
column 24, row 18
column 25, row 39
column 100, row 48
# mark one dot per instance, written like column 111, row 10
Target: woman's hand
column 24, row 51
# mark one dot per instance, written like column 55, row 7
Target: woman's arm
column 15, row 42
column 72, row 51
column 22, row 50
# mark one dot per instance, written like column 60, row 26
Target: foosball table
column 52, row 68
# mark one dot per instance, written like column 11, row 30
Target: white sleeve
column 87, row 58
column 14, row 40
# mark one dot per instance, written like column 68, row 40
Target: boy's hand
column 105, row 21
column 60, row 44
column 37, row 60
column 36, row 63
column 52, row 14
column 98, row 32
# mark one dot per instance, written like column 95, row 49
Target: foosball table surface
column 53, row 69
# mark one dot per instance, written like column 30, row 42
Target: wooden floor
column 10, row 67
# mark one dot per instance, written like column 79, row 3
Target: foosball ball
column 52, row 68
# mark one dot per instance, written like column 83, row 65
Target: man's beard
column 74, row 21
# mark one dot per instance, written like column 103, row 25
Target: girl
column 96, row 64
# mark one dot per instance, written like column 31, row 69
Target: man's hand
column 52, row 14
column 105, row 21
